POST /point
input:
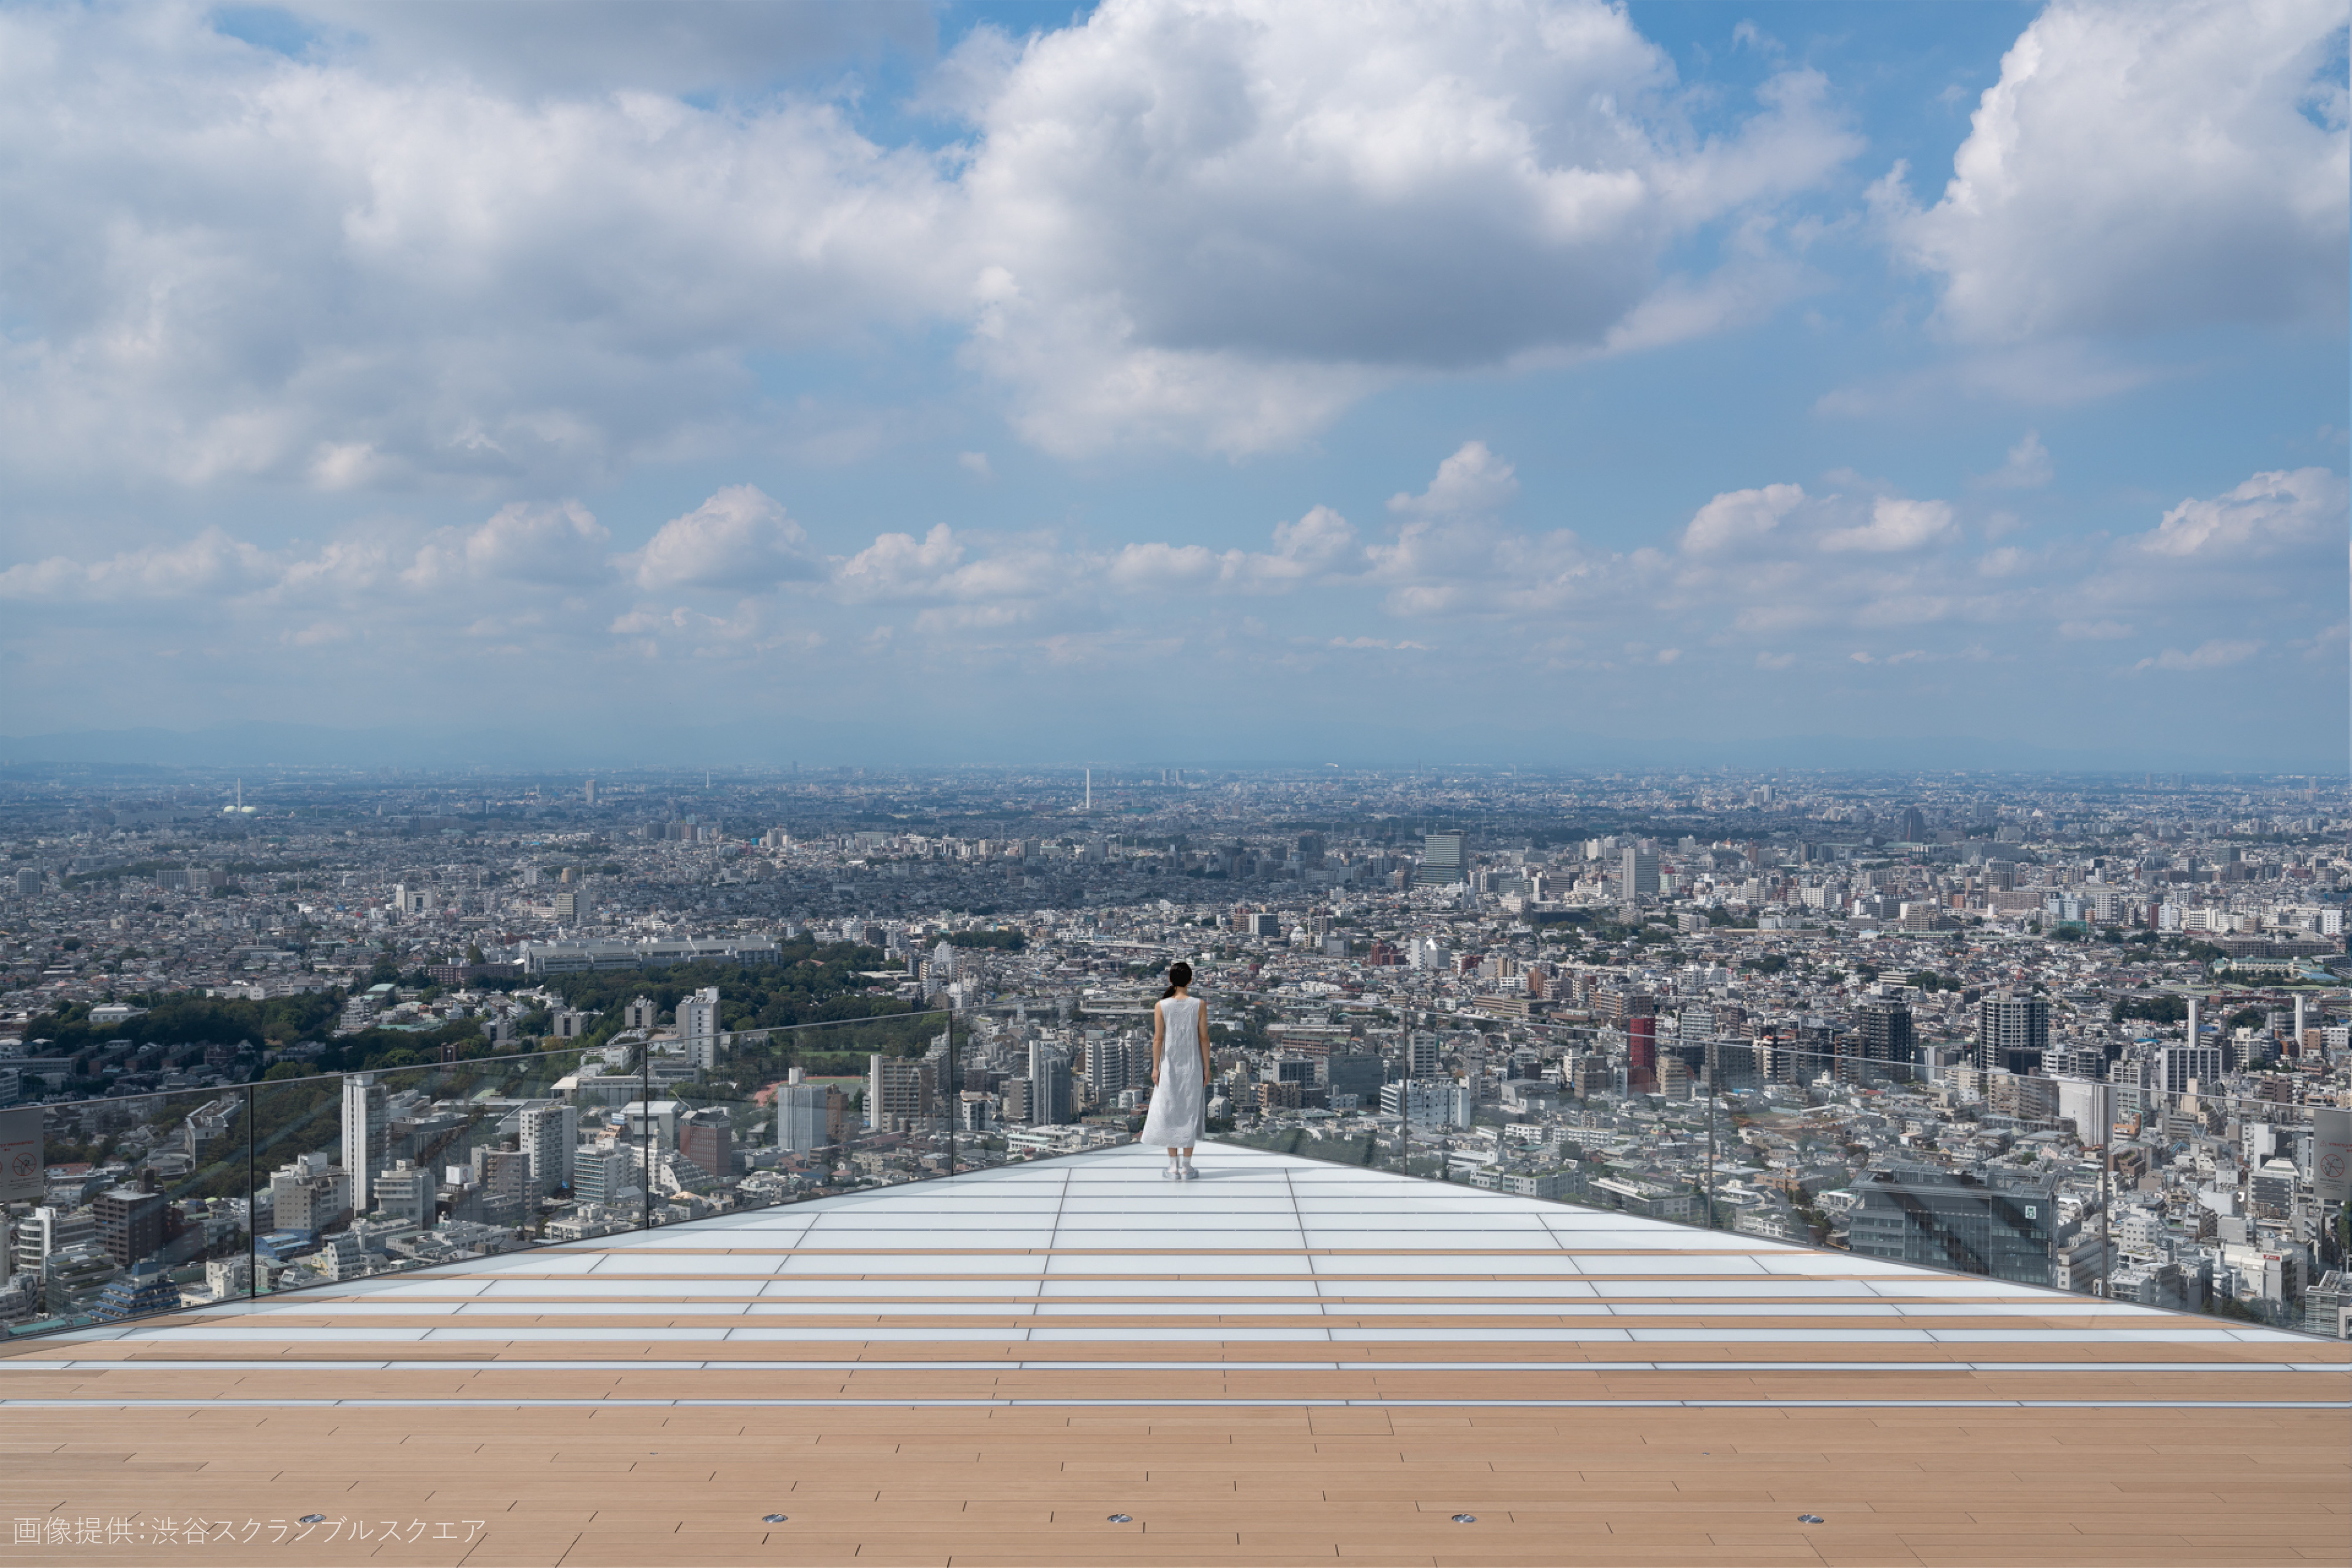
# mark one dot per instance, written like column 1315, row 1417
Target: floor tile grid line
column 311, row 1364
column 1290, row 1187
column 1172, row 1404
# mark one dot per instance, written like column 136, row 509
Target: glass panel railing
column 157, row 1202
column 144, row 1211
column 2187, row 1199
column 373, row 1172
column 758, row 1118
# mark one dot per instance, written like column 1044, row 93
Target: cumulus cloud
column 1471, row 482
column 211, row 563
column 2142, row 167
column 558, row 544
column 225, row 263
column 1208, row 223
column 1320, row 545
column 1740, row 517
column 1215, row 222
column 1896, row 523
column 2268, row 514
column 739, row 539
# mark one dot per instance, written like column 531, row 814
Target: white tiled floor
column 1042, row 1249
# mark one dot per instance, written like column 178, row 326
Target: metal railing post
column 252, row 1198
column 645, row 1136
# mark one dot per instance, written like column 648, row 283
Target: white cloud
column 221, row 261
column 900, row 567
column 2214, row 655
column 1739, row 518
column 1319, row 546
column 2268, row 514
column 1894, row 525
column 209, row 565
column 1216, row 222
column 1471, row 482
column 976, row 463
column 557, row 544
column 739, row 539
column 2028, row 468
column 409, row 254
column 2142, row 167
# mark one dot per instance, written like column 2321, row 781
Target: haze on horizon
column 1556, row 383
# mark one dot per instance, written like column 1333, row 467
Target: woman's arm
column 1159, row 1028
column 1204, row 1015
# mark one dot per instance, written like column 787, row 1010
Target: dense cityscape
column 296, row 1028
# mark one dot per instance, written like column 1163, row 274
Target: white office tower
column 405, row 1192
column 550, row 1133
column 804, row 1116
column 1422, row 1056
column 698, row 1024
column 943, row 960
column 365, row 1133
column 1639, row 870
column 2190, row 1066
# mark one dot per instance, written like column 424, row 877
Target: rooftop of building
column 1076, row 1360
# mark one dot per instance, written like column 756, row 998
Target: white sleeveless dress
column 1179, row 1104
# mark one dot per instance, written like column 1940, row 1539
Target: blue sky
column 1524, row 382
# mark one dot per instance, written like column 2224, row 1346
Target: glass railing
column 161, row 1202
column 2187, row 1199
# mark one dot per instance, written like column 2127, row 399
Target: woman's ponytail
column 1180, row 975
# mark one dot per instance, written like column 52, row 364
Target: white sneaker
column 1191, row 1175
column 1172, row 1173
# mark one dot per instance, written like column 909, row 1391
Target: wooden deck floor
column 1293, row 1364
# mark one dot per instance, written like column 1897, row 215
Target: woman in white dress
column 1180, row 1074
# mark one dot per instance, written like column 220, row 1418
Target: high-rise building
column 1882, row 1036
column 2182, row 1065
column 1051, row 1099
column 366, row 1136
column 1952, row 1219
column 600, row 1174
column 1914, row 826
column 550, row 1133
column 130, row 1224
column 504, row 1177
column 708, row 1138
column 1639, row 868
column 1443, row 863
column 1422, row 1056
column 307, row 1193
column 896, row 1093
column 1357, row 1074
column 49, row 1229
column 405, row 1192
column 28, row 882
column 1641, row 1053
column 697, row 1026
column 810, row 1116
column 642, row 1013
column 2012, row 1032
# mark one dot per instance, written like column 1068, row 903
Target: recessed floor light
column 1465, row 1519
column 773, row 1518
column 1120, row 1518
column 313, row 1519
column 1809, row 1518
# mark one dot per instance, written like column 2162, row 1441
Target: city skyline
column 1557, row 386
